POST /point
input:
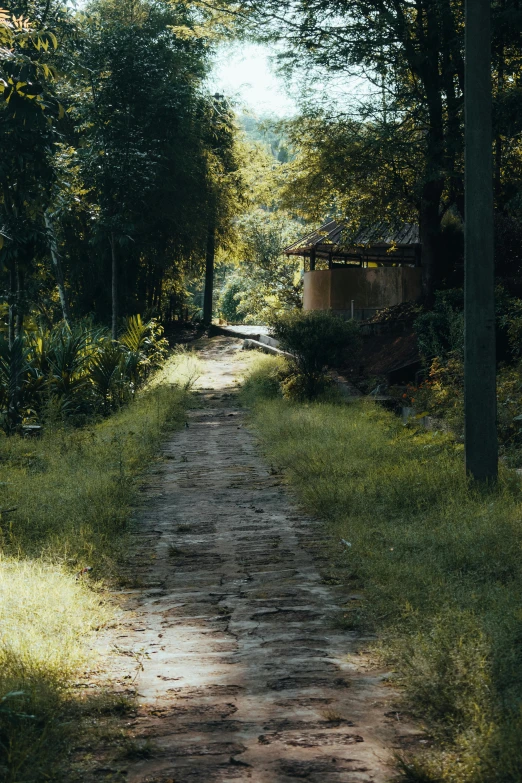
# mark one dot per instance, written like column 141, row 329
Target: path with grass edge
column 230, row 635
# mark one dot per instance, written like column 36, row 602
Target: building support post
column 312, row 260
column 481, row 445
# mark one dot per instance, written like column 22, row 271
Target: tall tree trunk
column 430, row 237
column 11, row 313
column 114, row 288
column 58, row 270
column 209, row 276
column 498, row 137
column 450, row 75
column 19, row 311
column 480, row 399
column 498, row 169
column 429, row 72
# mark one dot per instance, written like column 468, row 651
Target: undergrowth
column 439, row 562
column 66, row 502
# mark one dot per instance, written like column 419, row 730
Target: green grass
column 440, row 565
column 66, row 503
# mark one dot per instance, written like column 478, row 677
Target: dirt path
column 244, row 674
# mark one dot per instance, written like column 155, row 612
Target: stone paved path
column 243, row 675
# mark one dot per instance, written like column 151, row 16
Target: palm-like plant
column 69, row 358
column 107, row 374
column 145, row 347
column 136, row 335
column 76, row 370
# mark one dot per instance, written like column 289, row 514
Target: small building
column 357, row 275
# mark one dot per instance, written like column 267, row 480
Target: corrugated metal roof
column 380, row 233
column 336, row 235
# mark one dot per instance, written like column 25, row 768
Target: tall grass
column 66, row 502
column 440, row 565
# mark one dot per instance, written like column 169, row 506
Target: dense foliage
column 440, row 337
column 264, row 283
column 116, row 164
column 380, row 135
column 317, row 341
column 260, row 282
column 74, row 373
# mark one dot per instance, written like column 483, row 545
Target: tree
column 137, row 115
column 411, row 50
column 29, row 114
column 412, row 54
column 223, row 188
column 143, row 148
column 266, row 283
column 259, row 280
column 358, row 171
column 117, row 162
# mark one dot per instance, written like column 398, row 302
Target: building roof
column 335, row 238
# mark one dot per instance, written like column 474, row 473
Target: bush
column 442, row 393
column 229, row 301
column 317, row 340
column 440, row 335
column 440, row 332
column 74, row 373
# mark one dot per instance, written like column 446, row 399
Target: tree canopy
column 117, row 159
column 394, row 145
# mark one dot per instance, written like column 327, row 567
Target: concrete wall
column 371, row 289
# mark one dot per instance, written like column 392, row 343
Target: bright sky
column 244, row 73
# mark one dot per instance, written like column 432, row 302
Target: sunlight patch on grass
column 45, row 614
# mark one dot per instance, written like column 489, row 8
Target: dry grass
column 46, row 616
column 72, row 492
column 440, row 565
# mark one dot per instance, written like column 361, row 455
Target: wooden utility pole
column 209, row 276
column 480, row 400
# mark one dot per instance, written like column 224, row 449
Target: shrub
column 441, row 331
column 296, row 386
column 75, row 372
column 442, row 393
column 228, row 302
column 316, row 340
